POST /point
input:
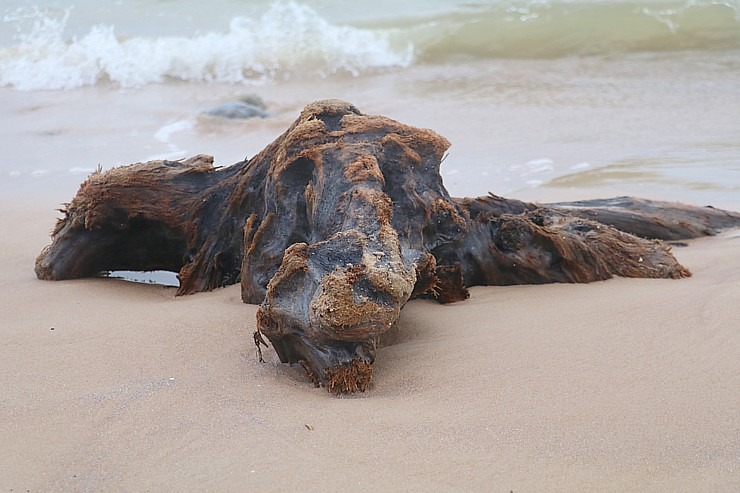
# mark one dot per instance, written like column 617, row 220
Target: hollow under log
column 340, row 221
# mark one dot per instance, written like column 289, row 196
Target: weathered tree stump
column 339, row 222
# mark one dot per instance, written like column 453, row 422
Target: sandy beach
column 621, row 385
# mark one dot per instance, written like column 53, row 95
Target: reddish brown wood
column 339, row 222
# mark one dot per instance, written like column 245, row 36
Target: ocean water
column 540, row 98
column 58, row 45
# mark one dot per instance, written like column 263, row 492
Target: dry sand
column 624, row 385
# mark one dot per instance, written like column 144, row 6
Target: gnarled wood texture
column 339, row 222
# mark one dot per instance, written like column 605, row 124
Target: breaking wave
column 551, row 29
column 292, row 40
column 288, row 39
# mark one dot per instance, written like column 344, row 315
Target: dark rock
column 237, row 110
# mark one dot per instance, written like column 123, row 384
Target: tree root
column 340, row 221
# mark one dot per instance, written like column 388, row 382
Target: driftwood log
column 339, row 222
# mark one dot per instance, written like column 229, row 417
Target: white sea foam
column 164, row 135
column 534, row 167
column 580, row 166
column 288, row 39
column 166, row 132
column 291, row 39
column 539, row 165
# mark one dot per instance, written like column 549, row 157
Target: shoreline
column 660, row 127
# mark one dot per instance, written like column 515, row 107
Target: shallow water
column 601, row 118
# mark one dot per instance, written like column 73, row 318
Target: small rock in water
column 249, row 106
column 254, row 100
